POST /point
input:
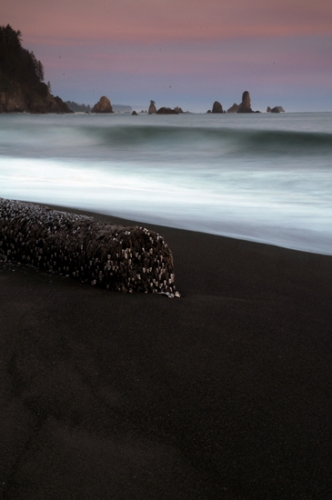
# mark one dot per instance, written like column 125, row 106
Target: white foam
column 280, row 199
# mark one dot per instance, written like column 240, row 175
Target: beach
column 224, row 393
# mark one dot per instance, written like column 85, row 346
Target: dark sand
column 225, row 393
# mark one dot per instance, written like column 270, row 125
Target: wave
column 288, row 141
column 255, row 177
column 250, row 141
column 193, row 136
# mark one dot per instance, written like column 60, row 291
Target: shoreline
column 117, row 220
column 222, row 394
column 253, row 185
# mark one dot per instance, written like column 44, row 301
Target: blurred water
column 261, row 177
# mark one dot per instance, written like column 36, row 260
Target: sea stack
column 234, row 108
column 245, row 106
column 152, row 108
column 125, row 259
column 276, row 109
column 167, row 111
column 103, row 106
column 217, row 107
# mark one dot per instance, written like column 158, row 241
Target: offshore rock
column 152, row 108
column 234, row 108
column 167, row 111
column 103, row 106
column 276, row 109
column 245, row 106
column 217, row 107
column 125, row 259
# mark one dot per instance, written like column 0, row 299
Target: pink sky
column 182, row 52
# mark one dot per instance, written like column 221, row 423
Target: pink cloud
column 155, row 20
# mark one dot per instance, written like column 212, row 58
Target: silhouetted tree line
column 73, row 106
column 19, row 65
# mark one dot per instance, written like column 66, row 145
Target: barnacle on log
column 127, row 259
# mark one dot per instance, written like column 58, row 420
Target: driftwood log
column 126, row 259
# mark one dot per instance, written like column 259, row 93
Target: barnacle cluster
column 126, row 259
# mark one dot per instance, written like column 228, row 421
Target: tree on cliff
column 22, row 86
column 16, row 63
column 9, row 38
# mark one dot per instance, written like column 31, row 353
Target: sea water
column 262, row 177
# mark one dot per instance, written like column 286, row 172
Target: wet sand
column 224, row 393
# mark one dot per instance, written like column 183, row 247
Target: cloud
column 160, row 20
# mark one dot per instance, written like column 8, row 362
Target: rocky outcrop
column 245, row 106
column 125, row 259
column 62, row 105
column 276, row 109
column 217, row 107
column 234, row 108
column 167, row 111
column 13, row 101
column 24, row 101
column 103, row 106
column 152, row 108
column 178, row 109
column 134, row 113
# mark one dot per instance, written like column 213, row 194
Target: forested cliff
column 22, row 86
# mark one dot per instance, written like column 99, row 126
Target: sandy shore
column 222, row 394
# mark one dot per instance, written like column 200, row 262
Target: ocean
column 261, row 177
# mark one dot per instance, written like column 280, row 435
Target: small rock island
column 103, row 106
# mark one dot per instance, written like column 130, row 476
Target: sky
column 186, row 53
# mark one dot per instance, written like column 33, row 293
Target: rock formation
column 217, row 107
column 134, row 113
column 103, row 106
column 125, row 259
column 234, row 108
column 152, row 108
column 167, row 111
column 276, row 109
column 245, row 106
column 31, row 102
